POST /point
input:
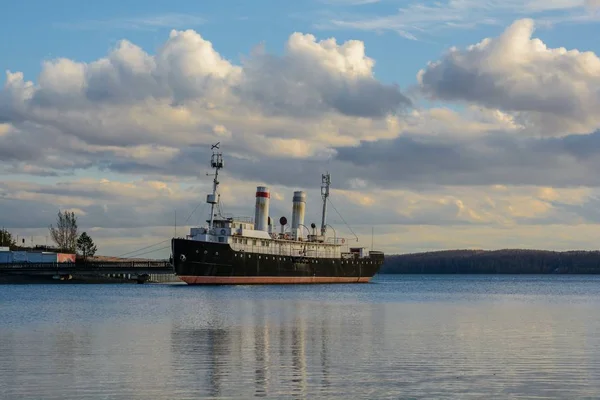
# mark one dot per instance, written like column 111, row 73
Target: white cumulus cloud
column 554, row 89
column 125, row 138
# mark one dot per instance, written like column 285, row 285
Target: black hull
column 204, row 263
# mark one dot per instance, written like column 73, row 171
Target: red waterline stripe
column 261, row 280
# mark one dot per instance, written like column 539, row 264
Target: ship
column 233, row 250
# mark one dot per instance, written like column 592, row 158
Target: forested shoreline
column 509, row 261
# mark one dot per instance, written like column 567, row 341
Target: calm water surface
column 400, row 337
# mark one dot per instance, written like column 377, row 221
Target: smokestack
column 261, row 215
column 298, row 213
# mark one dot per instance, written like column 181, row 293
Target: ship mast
column 216, row 162
column 325, row 182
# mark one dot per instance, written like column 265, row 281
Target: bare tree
column 65, row 234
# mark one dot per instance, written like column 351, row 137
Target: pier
column 139, row 271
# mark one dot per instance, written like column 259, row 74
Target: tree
column 6, row 239
column 86, row 246
column 65, row 233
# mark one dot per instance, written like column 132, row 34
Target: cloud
column 104, row 203
column 494, row 158
column 354, row 2
column 189, row 94
column 423, row 19
column 148, row 22
column 556, row 90
column 132, row 112
column 319, row 76
column 110, row 209
column 125, row 140
column 593, row 4
column 315, row 76
column 473, row 121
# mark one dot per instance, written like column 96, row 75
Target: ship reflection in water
column 280, row 359
column 401, row 337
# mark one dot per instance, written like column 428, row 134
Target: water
column 417, row 337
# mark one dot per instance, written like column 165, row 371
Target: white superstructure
column 258, row 235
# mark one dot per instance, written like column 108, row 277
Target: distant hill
column 507, row 261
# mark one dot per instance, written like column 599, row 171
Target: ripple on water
column 402, row 337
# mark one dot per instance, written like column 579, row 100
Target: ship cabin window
column 221, row 239
column 254, row 243
column 245, row 241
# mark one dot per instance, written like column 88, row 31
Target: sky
column 444, row 124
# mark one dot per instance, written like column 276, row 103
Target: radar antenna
column 216, row 162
